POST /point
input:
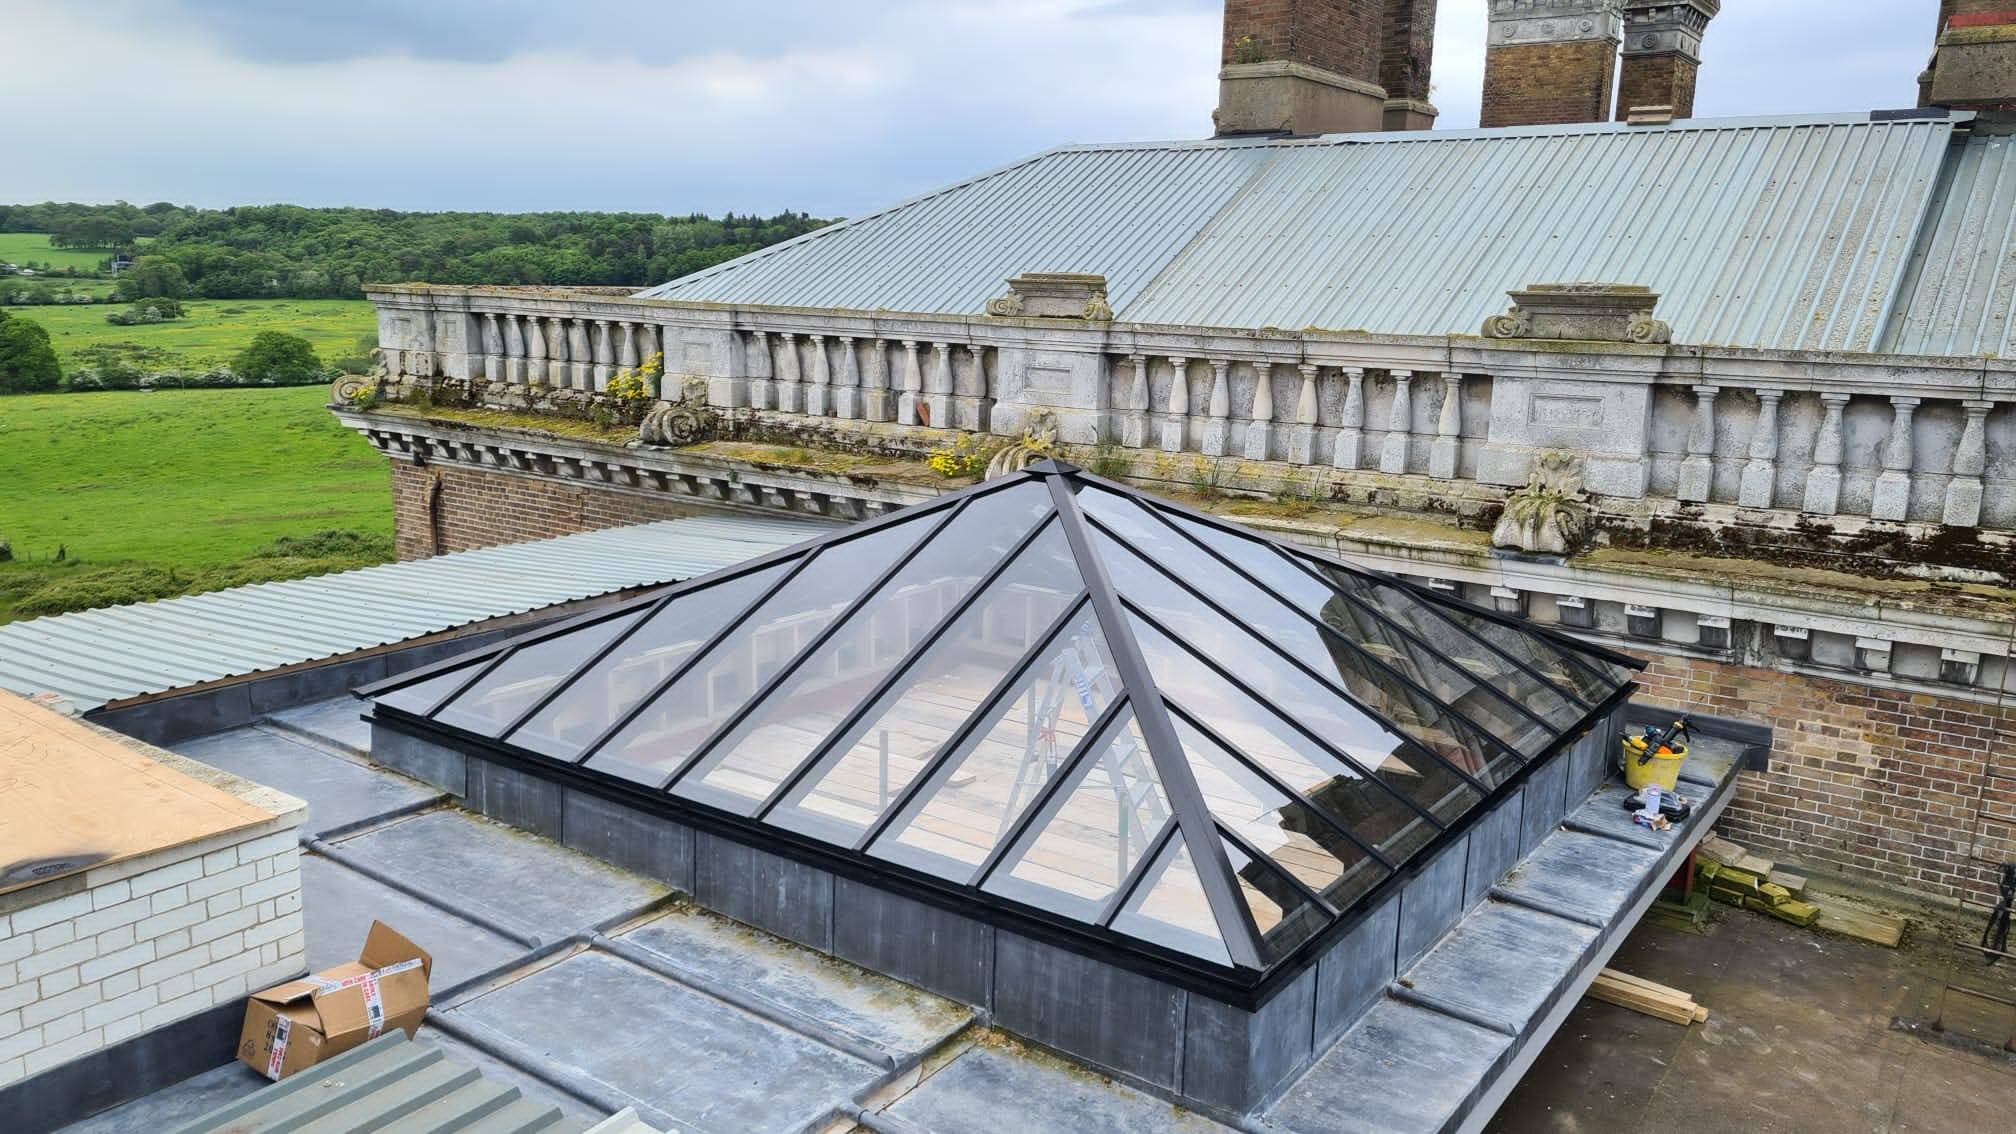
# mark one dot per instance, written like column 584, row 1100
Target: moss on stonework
column 615, row 432
column 839, row 462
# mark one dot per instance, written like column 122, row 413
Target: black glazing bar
column 594, row 659
column 1134, row 878
column 903, row 668
column 1322, row 816
column 1242, row 938
column 1266, row 864
column 748, row 706
column 1335, row 634
column 955, row 744
column 1103, row 732
column 1280, row 651
column 482, row 671
column 679, row 671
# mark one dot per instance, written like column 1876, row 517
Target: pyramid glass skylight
column 1056, row 697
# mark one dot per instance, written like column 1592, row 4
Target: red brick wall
column 1657, row 80
column 1538, row 84
column 1407, row 48
column 437, row 509
column 1883, row 785
column 1340, row 36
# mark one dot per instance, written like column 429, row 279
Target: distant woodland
column 286, row 251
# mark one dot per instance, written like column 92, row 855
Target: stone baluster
column 1176, row 422
column 1970, row 460
column 790, row 387
column 1892, row 497
column 535, row 350
column 762, row 389
column 1134, row 422
column 1218, row 420
column 1260, row 430
column 581, row 351
column 847, row 384
column 876, row 402
column 938, row 402
column 821, row 381
column 647, row 345
column 493, row 348
column 1442, row 453
column 556, row 347
column 1350, row 447
column 1823, row 484
column 1697, row 471
column 1399, row 424
column 605, row 355
column 514, row 350
column 913, row 385
column 1760, row 472
column 970, row 407
column 626, row 345
column 1302, row 438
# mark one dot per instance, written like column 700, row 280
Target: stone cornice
column 1518, row 22
column 1288, row 68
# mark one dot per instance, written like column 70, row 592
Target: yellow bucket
column 1661, row 770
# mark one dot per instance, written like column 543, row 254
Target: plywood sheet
column 72, row 798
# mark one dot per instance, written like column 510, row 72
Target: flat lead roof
column 1056, row 695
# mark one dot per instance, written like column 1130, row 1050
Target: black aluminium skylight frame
column 1250, row 971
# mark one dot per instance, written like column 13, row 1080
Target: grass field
column 26, row 247
column 183, row 487
column 212, row 331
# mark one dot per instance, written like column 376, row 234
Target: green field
column 181, row 486
column 27, row 247
column 212, row 331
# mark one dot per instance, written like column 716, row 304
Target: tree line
column 288, row 251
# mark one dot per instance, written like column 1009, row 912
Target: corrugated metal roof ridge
column 1959, row 293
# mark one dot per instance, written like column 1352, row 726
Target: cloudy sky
column 829, row 106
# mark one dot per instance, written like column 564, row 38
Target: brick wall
column 449, row 509
column 145, row 942
column 1657, row 80
column 1537, row 84
column 1340, row 36
column 1407, row 48
column 1880, row 784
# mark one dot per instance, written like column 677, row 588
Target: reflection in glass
column 1170, row 908
column 502, row 695
column 421, row 696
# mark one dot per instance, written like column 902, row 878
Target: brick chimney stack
column 1974, row 65
column 1662, row 53
column 1550, row 61
column 1323, row 66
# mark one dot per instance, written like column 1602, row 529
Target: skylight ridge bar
column 1385, row 721
column 1282, row 786
column 680, row 671
column 1132, row 882
column 1165, row 748
column 1323, row 627
column 1266, row 862
column 902, row 667
column 964, row 733
column 1103, row 732
column 819, row 640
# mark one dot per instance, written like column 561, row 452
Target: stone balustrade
column 1740, row 436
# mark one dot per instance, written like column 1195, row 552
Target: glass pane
column 1285, row 916
column 1310, row 765
column 783, row 732
column 604, row 693
column 972, row 801
column 1093, row 831
column 897, row 739
column 1276, row 824
column 660, row 738
column 1239, row 649
column 1170, row 908
column 423, row 695
column 502, row 695
column 1486, row 688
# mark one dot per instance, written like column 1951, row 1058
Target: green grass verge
column 149, row 494
column 211, row 332
column 33, row 247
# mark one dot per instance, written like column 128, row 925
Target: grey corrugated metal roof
column 1962, row 287
column 1765, row 232
column 97, row 656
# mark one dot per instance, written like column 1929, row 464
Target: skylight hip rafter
column 1165, row 748
column 819, row 640
column 903, row 667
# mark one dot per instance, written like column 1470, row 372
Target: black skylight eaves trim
column 955, row 744
column 1309, row 671
column 826, row 633
column 903, row 668
column 1165, row 748
column 1132, row 882
column 1356, row 647
column 1103, row 732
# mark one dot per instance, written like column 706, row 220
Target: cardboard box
column 302, row 1022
